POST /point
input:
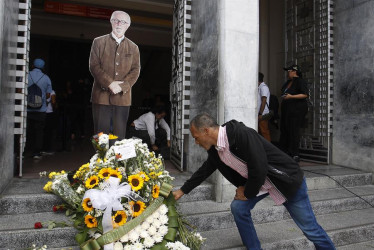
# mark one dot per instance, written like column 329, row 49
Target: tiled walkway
column 81, row 153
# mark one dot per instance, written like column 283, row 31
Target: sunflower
column 115, row 173
column 153, row 175
column 87, row 205
column 137, row 208
column 155, row 191
column 92, row 181
column 119, row 219
column 144, row 176
column 104, row 173
column 90, row 221
column 136, row 182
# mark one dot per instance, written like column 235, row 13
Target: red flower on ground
column 55, row 208
column 38, row 225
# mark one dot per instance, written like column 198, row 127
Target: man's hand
column 114, row 87
column 154, row 147
column 168, row 143
column 178, row 194
column 240, row 194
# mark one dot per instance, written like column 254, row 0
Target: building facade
column 215, row 58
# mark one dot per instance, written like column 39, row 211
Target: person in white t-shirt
column 263, row 107
column 152, row 129
column 50, row 125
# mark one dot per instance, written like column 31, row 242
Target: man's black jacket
column 262, row 159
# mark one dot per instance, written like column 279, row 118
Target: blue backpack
column 35, row 95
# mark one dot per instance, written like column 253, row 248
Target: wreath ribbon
column 117, row 233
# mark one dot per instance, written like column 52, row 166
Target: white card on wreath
column 126, row 151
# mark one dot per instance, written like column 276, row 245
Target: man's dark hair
column 159, row 110
column 260, row 77
column 203, row 120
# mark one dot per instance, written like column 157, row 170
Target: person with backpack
column 39, row 89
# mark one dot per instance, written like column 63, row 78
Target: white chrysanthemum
column 152, row 230
column 144, row 234
column 103, row 139
column 125, row 238
column 163, row 219
column 199, row 236
column 127, row 247
column 148, row 242
column 138, row 246
column 163, row 230
column 80, row 189
column 133, row 236
column 118, row 246
column 98, row 212
column 149, row 219
column 145, row 225
column 156, row 223
column 155, row 215
column 176, row 246
column 158, row 237
column 138, row 229
column 163, row 209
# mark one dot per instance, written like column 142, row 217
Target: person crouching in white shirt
column 152, row 129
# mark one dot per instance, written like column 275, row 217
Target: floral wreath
column 121, row 199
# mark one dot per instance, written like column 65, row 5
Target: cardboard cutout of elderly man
column 115, row 66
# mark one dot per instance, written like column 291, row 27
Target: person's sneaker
column 296, row 158
column 47, row 153
column 37, row 157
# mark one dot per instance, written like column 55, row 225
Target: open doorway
column 64, row 42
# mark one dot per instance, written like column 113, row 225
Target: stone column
column 224, row 67
column 238, row 51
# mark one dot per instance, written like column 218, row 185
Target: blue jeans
column 300, row 210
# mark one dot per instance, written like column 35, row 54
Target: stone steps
column 345, row 228
column 343, row 215
column 338, row 211
column 208, row 215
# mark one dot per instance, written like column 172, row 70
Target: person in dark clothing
column 294, row 108
column 257, row 168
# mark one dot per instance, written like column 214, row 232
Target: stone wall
column 8, row 44
column 353, row 124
